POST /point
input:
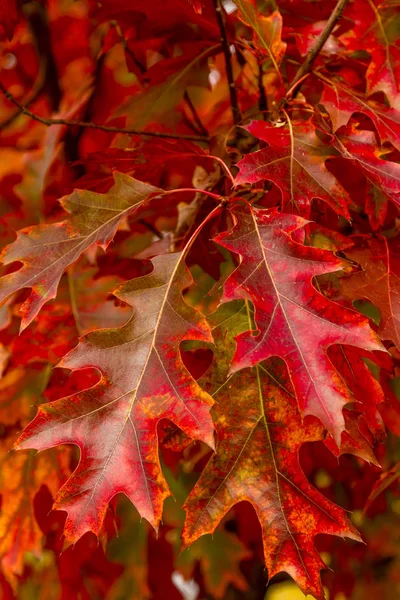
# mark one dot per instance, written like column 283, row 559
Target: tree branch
column 312, row 54
column 198, row 126
column 237, row 116
column 51, row 122
column 35, row 93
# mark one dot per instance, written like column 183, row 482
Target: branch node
column 314, row 51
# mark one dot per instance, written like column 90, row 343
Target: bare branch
column 312, row 54
column 87, row 124
column 237, row 116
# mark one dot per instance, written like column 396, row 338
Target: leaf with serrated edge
column 260, row 433
column 294, row 321
column 114, row 423
column 47, row 250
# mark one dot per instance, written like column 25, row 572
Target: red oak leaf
column 368, row 393
column 371, row 34
column 360, row 147
column 47, row 250
column 295, row 161
column 294, row 321
column 114, row 423
column 260, row 433
column 342, row 102
column 267, row 30
column 378, row 281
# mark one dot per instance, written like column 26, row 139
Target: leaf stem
column 50, row 122
column 312, row 54
column 202, row 130
column 237, row 116
column 217, row 197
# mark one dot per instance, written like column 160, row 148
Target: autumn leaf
column 260, row 433
column 143, row 380
column 360, row 146
column 92, row 307
column 354, row 368
column 295, row 161
column 387, row 478
column 47, row 250
column 132, row 113
column 371, row 32
column 377, row 282
column 267, row 31
column 293, row 320
column 22, row 475
column 158, row 98
column 342, row 102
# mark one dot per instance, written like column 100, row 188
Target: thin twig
column 51, row 122
column 38, row 88
column 312, row 54
column 202, row 130
column 198, row 126
column 126, row 48
column 228, row 63
column 151, row 228
column 263, row 104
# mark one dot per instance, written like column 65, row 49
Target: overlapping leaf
column 294, row 321
column 378, row 282
column 367, row 392
column 115, row 422
column 267, row 30
column 47, row 250
column 342, row 102
column 164, row 66
column 295, row 161
column 260, row 433
column 360, row 146
column 21, row 473
column 371, row 32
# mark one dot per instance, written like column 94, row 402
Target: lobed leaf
column 47, row 250
column 294, row 321
column 378, row 282
column 114, row 423
column 360, row 146
column 260, row 432
column 295, row 161
column 341, row 102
